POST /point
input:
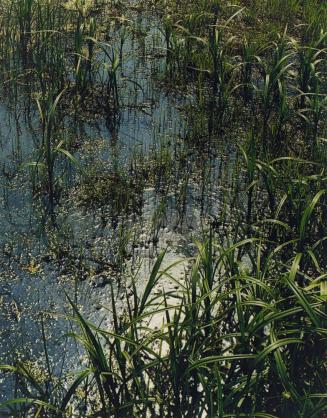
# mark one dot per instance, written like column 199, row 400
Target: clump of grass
column 114, row 188
column 45, row 176
column 231, row 336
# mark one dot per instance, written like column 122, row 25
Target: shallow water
column 33, row 281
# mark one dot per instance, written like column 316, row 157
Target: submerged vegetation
column 165, row 161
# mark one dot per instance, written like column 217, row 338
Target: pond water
column 92, row 245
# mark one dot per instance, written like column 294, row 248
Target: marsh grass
column 244, row 332
column 230, row 338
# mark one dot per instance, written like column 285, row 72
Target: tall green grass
column 236, row 340
column 244, row 333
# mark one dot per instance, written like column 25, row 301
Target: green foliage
column 244, row 334
column 230, row 339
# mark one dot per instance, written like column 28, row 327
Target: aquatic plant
column 241, row 331
column 44, row 167
column 228, row 339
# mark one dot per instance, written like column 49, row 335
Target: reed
column 242, row 332
column 44, row 167
column 229, row 339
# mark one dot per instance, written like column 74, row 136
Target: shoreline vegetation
column 171, row 158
